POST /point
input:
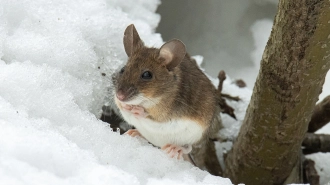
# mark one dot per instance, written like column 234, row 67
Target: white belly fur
column 178, row 132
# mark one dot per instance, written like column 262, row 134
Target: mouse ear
column 131, row 40
column 172, row 53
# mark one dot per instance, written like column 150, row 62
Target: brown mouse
column 165, row 96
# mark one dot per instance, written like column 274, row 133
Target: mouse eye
column 122, row 70
column 146, row 75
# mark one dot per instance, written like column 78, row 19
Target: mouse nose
column 120, row 95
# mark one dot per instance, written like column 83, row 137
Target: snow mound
column 55, row 67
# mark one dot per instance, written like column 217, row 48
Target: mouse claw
column 176, row 151
column 133, row 133
column 139, row 111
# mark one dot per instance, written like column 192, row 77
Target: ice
column 53, row 54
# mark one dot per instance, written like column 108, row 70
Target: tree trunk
column 293, row 67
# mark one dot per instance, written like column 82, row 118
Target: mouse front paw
column 133, row 133
column 138, row 111
column 176, row 151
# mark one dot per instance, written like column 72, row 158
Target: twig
column 309, row 173
column 316, row 143
column 321, row 115
column 221, row 77
column 235, row 98
column 225, row 108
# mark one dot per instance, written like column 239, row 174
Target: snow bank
column 53, row 54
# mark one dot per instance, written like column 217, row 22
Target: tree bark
column 293, row 68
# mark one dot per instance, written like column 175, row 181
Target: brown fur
column 184, row 91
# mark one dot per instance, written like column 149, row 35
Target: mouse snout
column 120, row 95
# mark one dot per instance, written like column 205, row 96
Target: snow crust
column 53, row 54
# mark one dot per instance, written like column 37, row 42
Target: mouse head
column 149, row 73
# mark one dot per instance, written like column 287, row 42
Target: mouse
column 164, row 94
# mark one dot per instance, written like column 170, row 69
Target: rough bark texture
column 321, row 115
column 293, row 68
column 316, row 143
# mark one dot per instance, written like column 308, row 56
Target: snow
column 322, row 166
column 53, row 54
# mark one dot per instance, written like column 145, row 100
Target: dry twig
column 316, row 143
column 225, row 108
column 321, row 115
column 309, row 173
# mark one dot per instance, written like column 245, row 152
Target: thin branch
column 225, row 108
column 321, row 115
column 221, row 77
column 235, row 98
column 316, row 143
column 309, row 173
